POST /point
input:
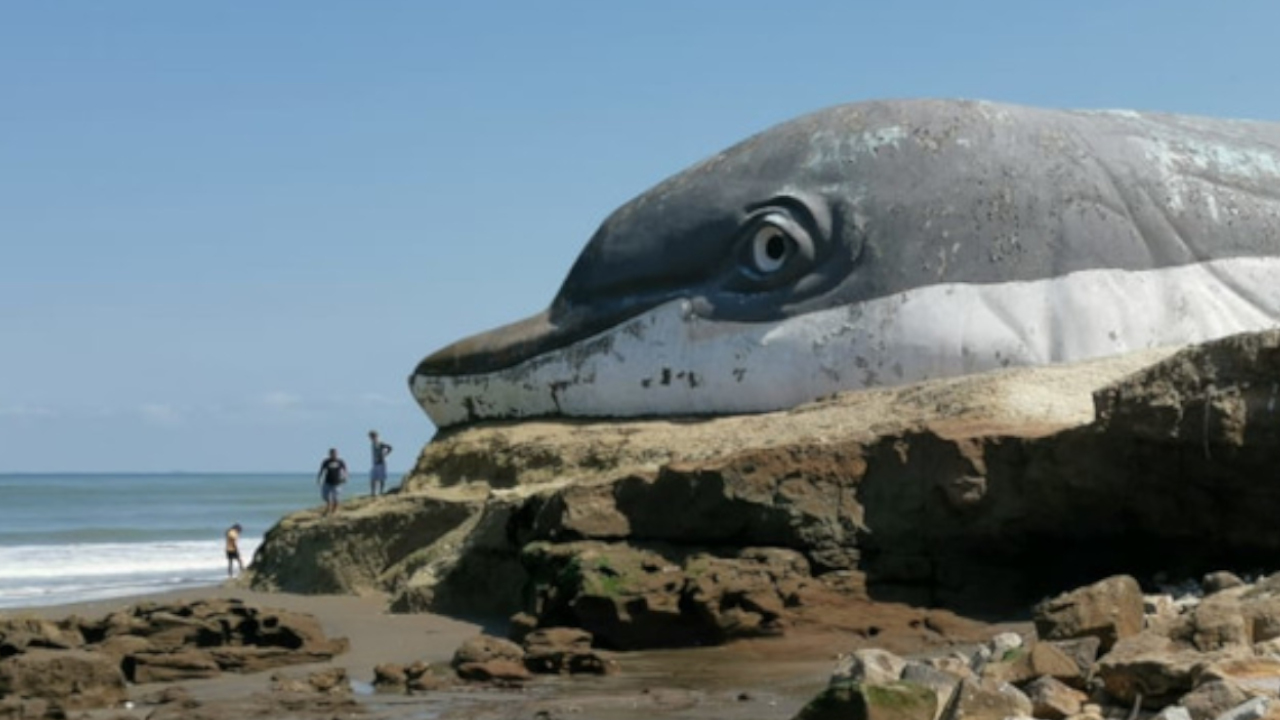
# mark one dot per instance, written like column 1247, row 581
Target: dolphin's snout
column 493, row 350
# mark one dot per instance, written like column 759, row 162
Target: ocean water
column 71, row 538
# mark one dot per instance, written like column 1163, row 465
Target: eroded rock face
column 801, row 497
column 630, row 597
column 307, row 554
column 204, row 638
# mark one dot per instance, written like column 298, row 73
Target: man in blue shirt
column 378, row 473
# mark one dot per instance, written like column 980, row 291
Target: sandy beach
column 764, row 679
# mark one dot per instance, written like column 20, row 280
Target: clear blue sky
column 230, row 230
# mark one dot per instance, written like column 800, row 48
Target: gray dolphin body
column 888, row 242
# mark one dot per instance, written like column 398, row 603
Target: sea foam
column 57, row 574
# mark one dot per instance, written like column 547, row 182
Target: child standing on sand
column 233, row 549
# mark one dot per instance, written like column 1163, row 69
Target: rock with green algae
column 857, row 701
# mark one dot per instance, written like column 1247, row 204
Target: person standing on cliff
column 333, row 473
column 233, row 549
column 378, row 473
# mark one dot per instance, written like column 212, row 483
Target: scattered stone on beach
column 390, row 676
column 1211, row 699
column 1042, row 659
column 1053, row 699
column 1202, row 667
column 490, row 659
column 330, row 681
column 486, row 658
column 1151, row 666
column 943, row 684
column 171, row 695
column 990, row 700
column 1220, row 580
column 564, row 651
column 872, row 701
column 1081, row 651
column 300, row 701
column 483, row 648
column 867, row 665
column 498, row 671
column 412, row 678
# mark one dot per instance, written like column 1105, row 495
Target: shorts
column 233, row 554
column 378, row 473
column 329, row 492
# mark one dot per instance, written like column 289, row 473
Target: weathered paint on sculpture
column 888, row 242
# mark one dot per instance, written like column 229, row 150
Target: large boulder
column 1109, row 610
column 1152, row 668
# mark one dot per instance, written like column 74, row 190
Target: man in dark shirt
column 333, row 473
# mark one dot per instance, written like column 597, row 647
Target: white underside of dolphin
column 670, row 361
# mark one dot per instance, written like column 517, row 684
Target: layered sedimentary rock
column 973, row 492
column 48, row 667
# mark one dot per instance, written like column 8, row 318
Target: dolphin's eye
column 773, row 250
column 770, row 249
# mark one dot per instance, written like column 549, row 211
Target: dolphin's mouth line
column 509, row 345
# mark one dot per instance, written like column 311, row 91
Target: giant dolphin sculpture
column 882, row 243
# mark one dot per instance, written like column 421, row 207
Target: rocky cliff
column 975, row 493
